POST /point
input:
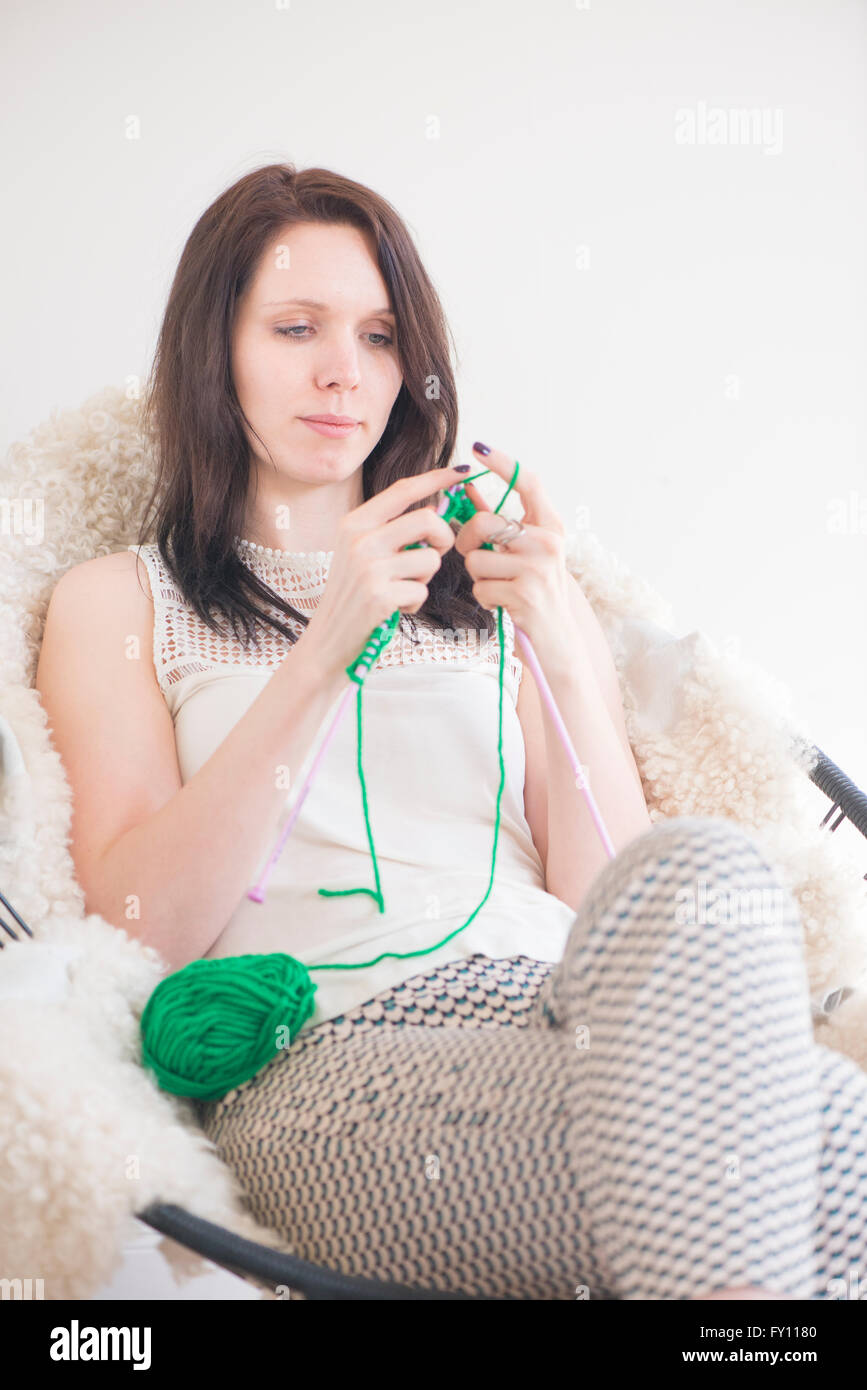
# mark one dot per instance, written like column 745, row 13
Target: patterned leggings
column 656, row 1121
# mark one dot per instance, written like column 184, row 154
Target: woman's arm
column 166, row 862
column 599, row 653
column 580, row 671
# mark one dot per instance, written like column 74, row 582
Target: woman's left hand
column 529, row 578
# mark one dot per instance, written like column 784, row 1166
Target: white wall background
column 672, row 334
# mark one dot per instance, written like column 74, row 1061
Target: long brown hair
column 195, row 422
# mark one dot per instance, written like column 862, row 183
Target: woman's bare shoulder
column 100, row 601
column 118, row 578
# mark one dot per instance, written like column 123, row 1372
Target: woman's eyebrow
column 317, row 304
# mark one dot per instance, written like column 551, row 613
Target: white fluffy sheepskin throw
column 87, row 1138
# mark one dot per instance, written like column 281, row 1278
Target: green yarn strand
column 408, row 955
column 461, row 509
column 345, row 892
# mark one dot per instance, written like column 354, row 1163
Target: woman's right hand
column 372, row 573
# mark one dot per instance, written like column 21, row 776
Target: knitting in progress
column 215, row 1023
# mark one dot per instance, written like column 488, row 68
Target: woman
column 579, row 1094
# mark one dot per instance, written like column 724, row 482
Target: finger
column 476, row 498
column 421, row 526
column 485, row 527
column 395, row 499
column 470, row 534
column 538, row 510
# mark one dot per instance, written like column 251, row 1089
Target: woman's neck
column 298, row 517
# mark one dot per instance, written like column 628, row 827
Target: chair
column 91, row 470
column 258, row 1263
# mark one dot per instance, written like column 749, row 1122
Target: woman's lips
column 332, row 431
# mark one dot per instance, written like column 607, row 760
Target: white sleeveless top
column 429, row 755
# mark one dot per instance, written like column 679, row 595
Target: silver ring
column 509, row 533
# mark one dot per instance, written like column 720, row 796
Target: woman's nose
column 340, row 364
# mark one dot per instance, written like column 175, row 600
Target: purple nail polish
column 462, row 468
column 481, row 449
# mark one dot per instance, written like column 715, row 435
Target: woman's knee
column 700, row 859
column 693, row 838
column 698, row 871
column 699, row 883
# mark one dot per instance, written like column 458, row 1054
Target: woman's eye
column 299, row 328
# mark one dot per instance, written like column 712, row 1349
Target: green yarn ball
column 213, row 1024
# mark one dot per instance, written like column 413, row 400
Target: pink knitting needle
column 551, row 704
column 257, row 892
column 580, row 779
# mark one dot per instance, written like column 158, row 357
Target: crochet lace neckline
column 291, row 559
column 184, row 645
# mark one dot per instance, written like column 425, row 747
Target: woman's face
column 334, row 357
